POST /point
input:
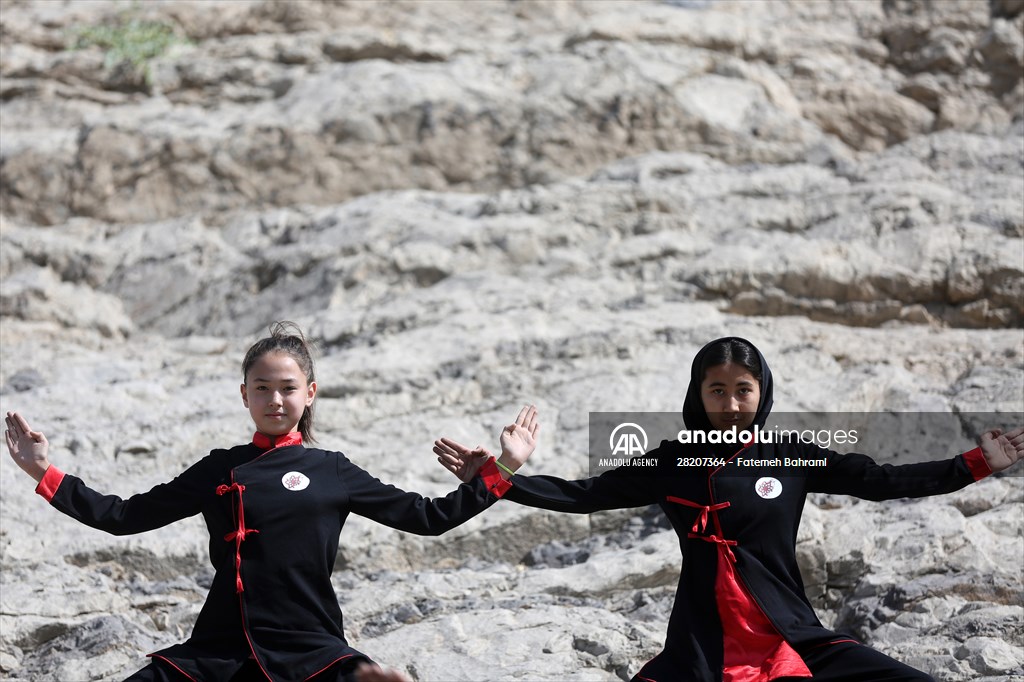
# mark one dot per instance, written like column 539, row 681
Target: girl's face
column 276, row 393
column 730, row 394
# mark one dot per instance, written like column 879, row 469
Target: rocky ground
column 471, row 205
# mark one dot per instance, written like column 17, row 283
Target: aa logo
column 628, row 440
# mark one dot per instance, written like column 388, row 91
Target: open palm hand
column 28, row 448
column 1002, row 450
column 518, row 440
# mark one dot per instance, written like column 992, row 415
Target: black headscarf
column 695, row 417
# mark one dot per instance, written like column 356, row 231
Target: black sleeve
column 411, row 512
column 616, row 489
column 860, row 476
column 164, row 504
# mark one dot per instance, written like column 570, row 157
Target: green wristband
column 505, row 468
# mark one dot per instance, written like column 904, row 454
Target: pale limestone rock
column 545, row 202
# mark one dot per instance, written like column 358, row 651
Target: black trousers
column 853, row 662
column 249, row 672
column 845, row 661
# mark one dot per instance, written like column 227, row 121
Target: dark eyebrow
column 286, row 380
column 739, row 383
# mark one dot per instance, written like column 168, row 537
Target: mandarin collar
column 265, row 442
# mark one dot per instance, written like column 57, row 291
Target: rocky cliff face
column 475, row 205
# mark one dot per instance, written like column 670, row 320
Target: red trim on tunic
column 836, row 641
column 721, row 543
column 976, row 463
column 171, row 663
column 245, row 629
column 700, row 524
column 265, row 442
column 328, row 666
column 240, row 533
column 493, row 480
column 754, row 650
column 49, row 483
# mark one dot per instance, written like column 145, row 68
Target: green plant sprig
column 132, row 41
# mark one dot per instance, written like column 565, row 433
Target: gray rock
column 472, row 208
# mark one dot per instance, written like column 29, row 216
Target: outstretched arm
column 164, row 504
column 617, row 489
column 29, row 449
column 413, row 513
column 859, row 475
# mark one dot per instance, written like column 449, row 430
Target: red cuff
column 976, row 463
column 50, row 482
column 493, row 480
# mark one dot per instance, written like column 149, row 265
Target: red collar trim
column 265, row 442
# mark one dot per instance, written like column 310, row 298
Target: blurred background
column 471, row 205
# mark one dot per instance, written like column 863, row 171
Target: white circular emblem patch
column 768, row 488
column 294, row 480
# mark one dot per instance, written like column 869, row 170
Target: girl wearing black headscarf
column 741, row 613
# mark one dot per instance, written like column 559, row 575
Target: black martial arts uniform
column 741, row 613
column 274, row 511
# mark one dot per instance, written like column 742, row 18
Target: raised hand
column 29, row 449
column 371, row 672
column 1002, row 450
column 519, row 440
